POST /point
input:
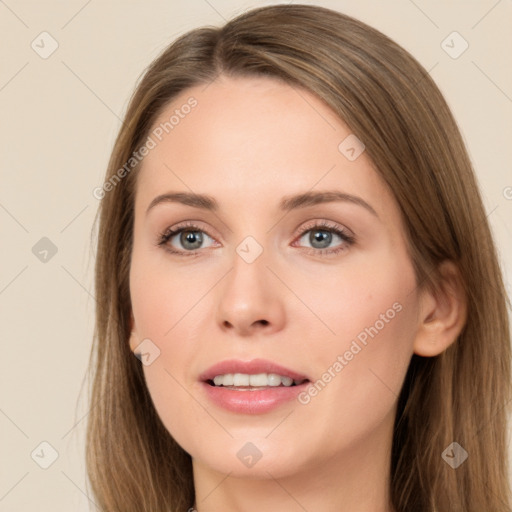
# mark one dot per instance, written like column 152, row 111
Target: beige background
column 60, row 116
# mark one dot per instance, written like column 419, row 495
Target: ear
column 134, row 339
column 443, row 312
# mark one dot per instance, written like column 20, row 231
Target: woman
column 292, row 243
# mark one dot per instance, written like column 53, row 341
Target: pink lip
column 247, row 401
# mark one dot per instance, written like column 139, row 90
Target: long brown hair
column 390, row 102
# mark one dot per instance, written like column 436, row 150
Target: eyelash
column 348, row 239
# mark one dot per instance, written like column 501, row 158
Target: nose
column 251, row 299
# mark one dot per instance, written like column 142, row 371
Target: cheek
column 361, row 367
column 165, row 298
column 169, row 312
column 361, row 379
column 364, row 341
column 370, row 302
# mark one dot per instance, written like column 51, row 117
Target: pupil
column 324, row 237
column 191, row 237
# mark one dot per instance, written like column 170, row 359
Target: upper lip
column 252, row 367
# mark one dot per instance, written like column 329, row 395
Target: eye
column 189, row 236
column 320, row 236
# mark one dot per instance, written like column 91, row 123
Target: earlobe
column 443, row 313
column 133, row 341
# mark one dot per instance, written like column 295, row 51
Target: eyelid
column 322, row 223
column 299, row 230
column 191, row 225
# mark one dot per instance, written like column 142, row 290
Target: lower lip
column 252, row 402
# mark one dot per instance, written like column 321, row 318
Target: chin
column 258, row 459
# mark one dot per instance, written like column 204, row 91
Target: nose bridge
column 251, row 248
column 248, row 296
column 250, row 267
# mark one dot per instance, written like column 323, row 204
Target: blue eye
column 190, row 237
column 321, row 236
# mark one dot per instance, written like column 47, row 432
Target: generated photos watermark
column 156, row 136
column 356, row 346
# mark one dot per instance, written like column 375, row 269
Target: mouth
column 257, row 373
column 251, row 387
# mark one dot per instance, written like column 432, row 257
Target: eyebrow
column 286, row 204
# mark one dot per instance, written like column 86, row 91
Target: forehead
column 253, row 139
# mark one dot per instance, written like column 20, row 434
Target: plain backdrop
column 60, row 114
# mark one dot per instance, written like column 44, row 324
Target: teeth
column 240, row 379
column 219, row 379
column 257, row 380
column 287, row 381
column 273, row 379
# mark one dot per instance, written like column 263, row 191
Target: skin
column 248, row 143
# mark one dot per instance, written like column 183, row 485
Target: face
column 307, row 289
